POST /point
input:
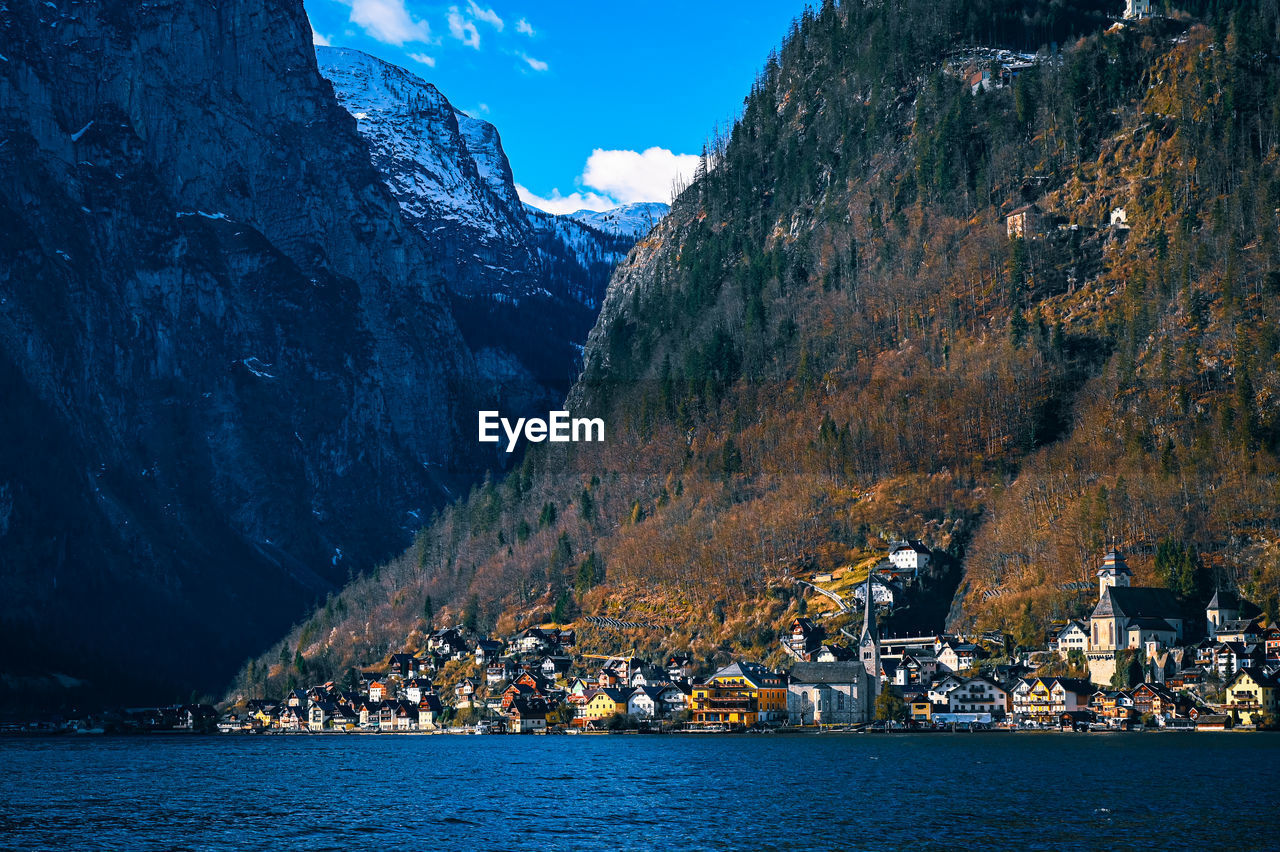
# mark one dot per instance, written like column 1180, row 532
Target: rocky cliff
column 229, row 369
column 525, row 285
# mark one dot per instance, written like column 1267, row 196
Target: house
column 1251, row 696
column 1134, row 9
column 404, row 716
column 1073, row 637
column 828, row 694
column 1024, row 222
column 646, row 702
column 910, row 556
column 527, row 716
column 804, row 638
column 404, row 665
column 624, row 668
column 941, row 689
column 742, row 695
column 604, row 704
column 957, row 656
column 1044, row 699
column 449, row 643
column 883, row 592
column 293, row 718
column 378, row 691
column 429, row 711
column 978, row 695
column 648, row 676
column 1244, row 630
column 414, row 689
column 533, row 641
column 1206, row 721
column 487, row 651
column 1227, row 658
column 920, row 708
column 514, row 691
column 679, row 667
column 1114, row 707
column 533, row 679
column 498, row 672
column 1154, row 699
column 464, row 694
column 834, row 654
column 553, row 666
column 1271, row 642
column 916, row 669
column 319, row 715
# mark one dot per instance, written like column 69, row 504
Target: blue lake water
column 920, row 792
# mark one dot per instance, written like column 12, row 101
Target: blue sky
column 598, row 103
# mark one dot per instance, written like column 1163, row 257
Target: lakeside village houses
column 535, row 681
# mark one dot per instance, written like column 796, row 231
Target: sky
column 598, row 103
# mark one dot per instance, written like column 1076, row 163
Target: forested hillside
column 832, row 340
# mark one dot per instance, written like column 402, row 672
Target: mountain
column 525, row 285
column 230, row 372
column 633, row 219
column 1019, row 308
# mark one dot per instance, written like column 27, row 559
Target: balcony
column 727, row 704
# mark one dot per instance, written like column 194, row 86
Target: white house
column 882, row 593
column 978, row 695
column 1073, row 637
column 910, row 555
column 642, row 704
column 940, row 691
column 957, row 656
column 1137, row 9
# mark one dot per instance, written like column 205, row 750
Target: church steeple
column 1114, row 572
column 869, row 642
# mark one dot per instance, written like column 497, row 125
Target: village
column 1131, row 665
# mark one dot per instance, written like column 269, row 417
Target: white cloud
column 388, row 21
column 429, row 61
column 632, row 176
column 561, row 204
column 613, row 178
column 535, row 64
column 462, row 29
column 316, row 38
column 487, row 15
column 523, row 26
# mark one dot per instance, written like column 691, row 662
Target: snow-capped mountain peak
column 634, row 220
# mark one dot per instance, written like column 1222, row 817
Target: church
column 1128, row 618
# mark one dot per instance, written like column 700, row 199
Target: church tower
column 1114, row 572
column 869, row 647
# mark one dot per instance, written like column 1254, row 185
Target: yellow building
column 604, row 704
column 1251, row 695
column 740, row 695
column 921, row 709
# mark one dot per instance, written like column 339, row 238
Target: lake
column 918, row 791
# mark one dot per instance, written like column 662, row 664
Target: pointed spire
column 869, row 612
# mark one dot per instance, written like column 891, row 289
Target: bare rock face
column 524, row 285
column 229, row 373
